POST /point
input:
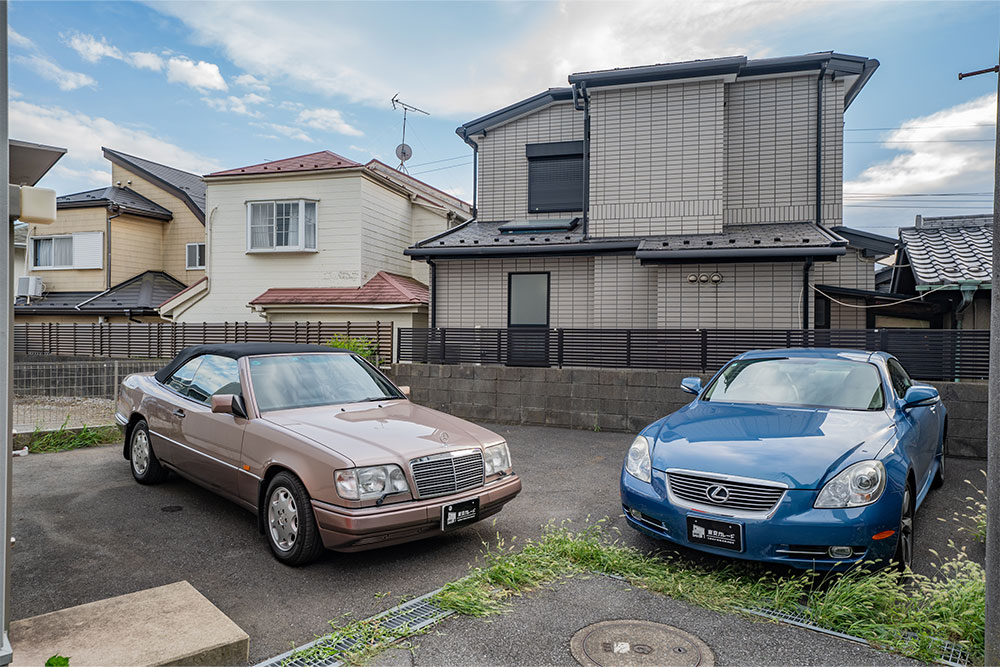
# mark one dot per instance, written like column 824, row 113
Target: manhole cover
column 613, row 643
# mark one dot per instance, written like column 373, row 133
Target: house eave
column 740, row 255
column 561, row 249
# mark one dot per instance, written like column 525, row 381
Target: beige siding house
column 704, row 194
column 316, row 237
column 115, row 253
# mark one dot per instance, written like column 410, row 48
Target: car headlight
column 370, row 482
column 637, row 461
column 856, row 485
column 497, row 459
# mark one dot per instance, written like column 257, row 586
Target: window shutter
column 88, row 250
column 555, row 184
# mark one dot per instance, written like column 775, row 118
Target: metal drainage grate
column 414, row 615
column 953, row 655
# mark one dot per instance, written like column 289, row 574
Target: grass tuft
column 973, row 519
column 364, row 638
column 63, row 439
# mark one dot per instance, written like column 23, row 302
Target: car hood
column 375, row 433
column 799, row 447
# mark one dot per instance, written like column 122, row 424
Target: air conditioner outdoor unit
column 29, row 286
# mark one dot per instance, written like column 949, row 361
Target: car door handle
column 179, row 413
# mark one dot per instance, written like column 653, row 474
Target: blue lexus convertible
column 813, row 458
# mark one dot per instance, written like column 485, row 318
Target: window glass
column 800, row 381
column 286, row 224
column 53, row 252
column 529, row 300
column 195, row 255
column 216, row 375
column 899, row 378
column 285, row 382
column 43, row 252
column 181, row 379
column 310, row 225
column 262, row 225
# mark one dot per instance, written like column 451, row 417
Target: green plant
column 352, row 643
column 363, row 347
column 63, row 439
column 973, row 520
column 57, row 661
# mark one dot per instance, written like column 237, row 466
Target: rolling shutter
column 555, row 177
column 88, row 250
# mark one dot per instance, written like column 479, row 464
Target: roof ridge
column 159, row 164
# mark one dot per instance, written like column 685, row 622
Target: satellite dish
column 404, row 152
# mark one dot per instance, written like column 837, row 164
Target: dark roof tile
column 188, row 187
column 126, row 198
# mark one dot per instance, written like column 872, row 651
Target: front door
column 528, row 319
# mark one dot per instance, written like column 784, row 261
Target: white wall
column 20, row 268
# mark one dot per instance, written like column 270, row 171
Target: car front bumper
column 343, row 529
column 787, row 535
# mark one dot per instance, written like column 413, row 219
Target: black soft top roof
column 237, row 351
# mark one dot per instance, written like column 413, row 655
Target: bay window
column 281, row 225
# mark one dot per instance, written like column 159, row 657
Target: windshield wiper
column 372, row 399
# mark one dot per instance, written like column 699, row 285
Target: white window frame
column 186, row 256
column 31, row 264
column 301, row 246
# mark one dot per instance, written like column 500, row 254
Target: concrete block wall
column 616, row 399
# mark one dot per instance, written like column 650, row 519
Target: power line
column 918, row 194
column 447, row 159
column 923, row 141
column 920, row 205
column 451, row 166
column 917, row 127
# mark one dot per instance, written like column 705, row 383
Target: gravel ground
column 49, row 412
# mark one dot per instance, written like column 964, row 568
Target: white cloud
column 201, row 75
column 561, row 38
column 287, row 131
column 19, row 40
column 935, row 154
column 328, row 119
column 49, row 69
column 238, row 105
column 251, row 82
column 83, row 136
column 145, row 60
column 90, row 48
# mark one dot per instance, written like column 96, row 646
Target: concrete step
column 167, row 625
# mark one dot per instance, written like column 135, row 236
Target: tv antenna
column 403, row 151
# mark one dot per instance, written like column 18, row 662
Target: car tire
column 289, row 522
column 904, row 544
column 146, row 468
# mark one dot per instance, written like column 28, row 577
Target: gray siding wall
column 473, row 293
column 657, row 159
column 850, row 270
column 771, row 150
column 624, row 293
column 503, row 167
column 762, row 296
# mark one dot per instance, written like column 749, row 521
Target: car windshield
column 284, row 382
column 800, row 381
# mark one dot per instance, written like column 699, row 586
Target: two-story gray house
column 704, row 194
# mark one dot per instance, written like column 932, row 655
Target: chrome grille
column 451, row 472
column 742, row 496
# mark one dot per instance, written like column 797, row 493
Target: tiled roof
column 741, row 241
column 143, row 292
column 950, row 250
column 126, row 198
column 189, row 187
column 51, row 302
column 321, row 160
column 487, row 238
column 383, row 288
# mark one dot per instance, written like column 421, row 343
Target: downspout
column 968, row 291
column 462, row 132
column 107, row 241
column 806, row 292
column 579, row 93
column 819, row 147
column 433, row 304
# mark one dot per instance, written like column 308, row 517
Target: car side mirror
column 691, row 385
column 919, row 394
column 405, row 389
column 229, row 404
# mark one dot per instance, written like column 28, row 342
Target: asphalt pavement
column 86, row 531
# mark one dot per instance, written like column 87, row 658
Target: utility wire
column 447, row 159
column 917, row 127
column 451, row 166
column 877, row 305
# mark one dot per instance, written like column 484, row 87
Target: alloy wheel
column 283, row 519
column 140, row 452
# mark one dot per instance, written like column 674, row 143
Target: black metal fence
column 162, row 341
column 928, row 354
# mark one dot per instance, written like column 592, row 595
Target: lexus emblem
column 717, row 493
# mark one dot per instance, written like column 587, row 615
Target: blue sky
column 204, row 86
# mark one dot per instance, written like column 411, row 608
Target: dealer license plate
column 713, row 533
column 457, row 514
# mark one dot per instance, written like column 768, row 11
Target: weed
column 973, row 520
column 63, row 439
column 363, row 347
column 353, row 643
column 57, row 661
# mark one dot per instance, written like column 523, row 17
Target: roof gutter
column 584, row 248
column 736, row 255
